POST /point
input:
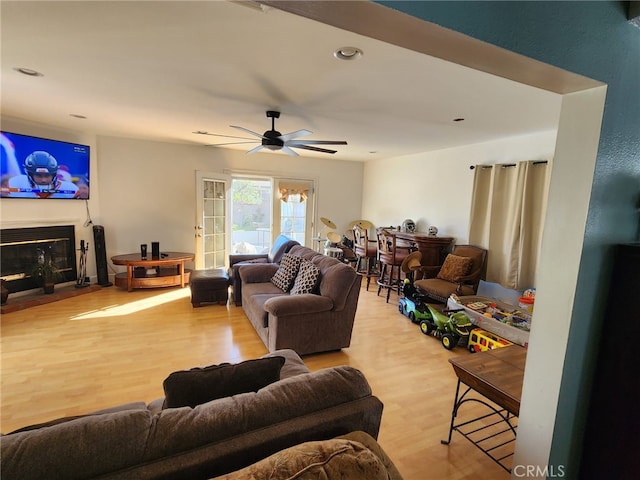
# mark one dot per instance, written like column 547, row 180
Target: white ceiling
column 162, row 70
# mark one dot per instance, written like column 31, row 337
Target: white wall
column 148, row 188
column 435, row 188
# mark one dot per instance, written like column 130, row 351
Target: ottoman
column 209, row 286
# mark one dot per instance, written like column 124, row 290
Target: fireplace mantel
column 49, row 222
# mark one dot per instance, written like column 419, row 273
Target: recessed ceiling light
column 28, row 71
column 348, row 53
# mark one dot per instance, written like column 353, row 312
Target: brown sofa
column 139, row 441
column 281, row 245
column 307, row 323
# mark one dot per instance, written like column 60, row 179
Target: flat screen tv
column 33, row 167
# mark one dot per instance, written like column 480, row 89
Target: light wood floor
column 109, row 347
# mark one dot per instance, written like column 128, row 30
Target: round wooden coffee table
column 167, row 270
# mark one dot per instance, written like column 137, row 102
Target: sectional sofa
column 156, row 441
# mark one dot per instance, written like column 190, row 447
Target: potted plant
column 46, row 273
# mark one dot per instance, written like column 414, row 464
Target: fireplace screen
column 22, row 248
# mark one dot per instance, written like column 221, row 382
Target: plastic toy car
column 415, row 311
column 412, row 303
column 449, row 325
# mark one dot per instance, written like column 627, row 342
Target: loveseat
column 147, row 441
column 281, row 245
column 308, row 323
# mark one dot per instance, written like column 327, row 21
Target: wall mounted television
column 41, row 168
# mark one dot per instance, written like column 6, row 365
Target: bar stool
column 366, row 250
column 390, row 256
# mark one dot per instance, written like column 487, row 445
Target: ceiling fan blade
column 259, row 135
column 316, row 142
column 257, row 149
column 288, row 151
column 315, row 149
column 298, row 133
column 230, row 143
column 218, row 135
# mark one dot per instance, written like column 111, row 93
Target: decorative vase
column 5, row 292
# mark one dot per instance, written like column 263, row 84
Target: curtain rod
column 506, row 165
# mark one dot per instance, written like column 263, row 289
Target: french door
column 212, row 211
column 242, row 214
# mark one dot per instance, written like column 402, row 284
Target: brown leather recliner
column 460, row 273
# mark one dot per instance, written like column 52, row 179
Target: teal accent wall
column 596, row 40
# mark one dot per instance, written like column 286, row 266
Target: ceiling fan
column 274, row 140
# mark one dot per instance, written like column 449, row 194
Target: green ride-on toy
column 449, row 326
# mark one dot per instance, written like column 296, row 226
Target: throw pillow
column 307, row 278
column 454, row 267
column 335, row 458
column 188, row 388
column 287, row 271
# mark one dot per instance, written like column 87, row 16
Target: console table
column 497, row 375
column 164, row 271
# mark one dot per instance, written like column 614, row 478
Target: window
column 262, row 208
column 294, row 206
column 251, row 201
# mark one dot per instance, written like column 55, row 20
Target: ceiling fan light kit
column 274, row 140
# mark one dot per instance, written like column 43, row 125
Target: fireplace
column 21, row 248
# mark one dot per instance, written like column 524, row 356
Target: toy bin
column 494, row 316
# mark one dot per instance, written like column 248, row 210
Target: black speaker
column 101, row 256
column 155, row 250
